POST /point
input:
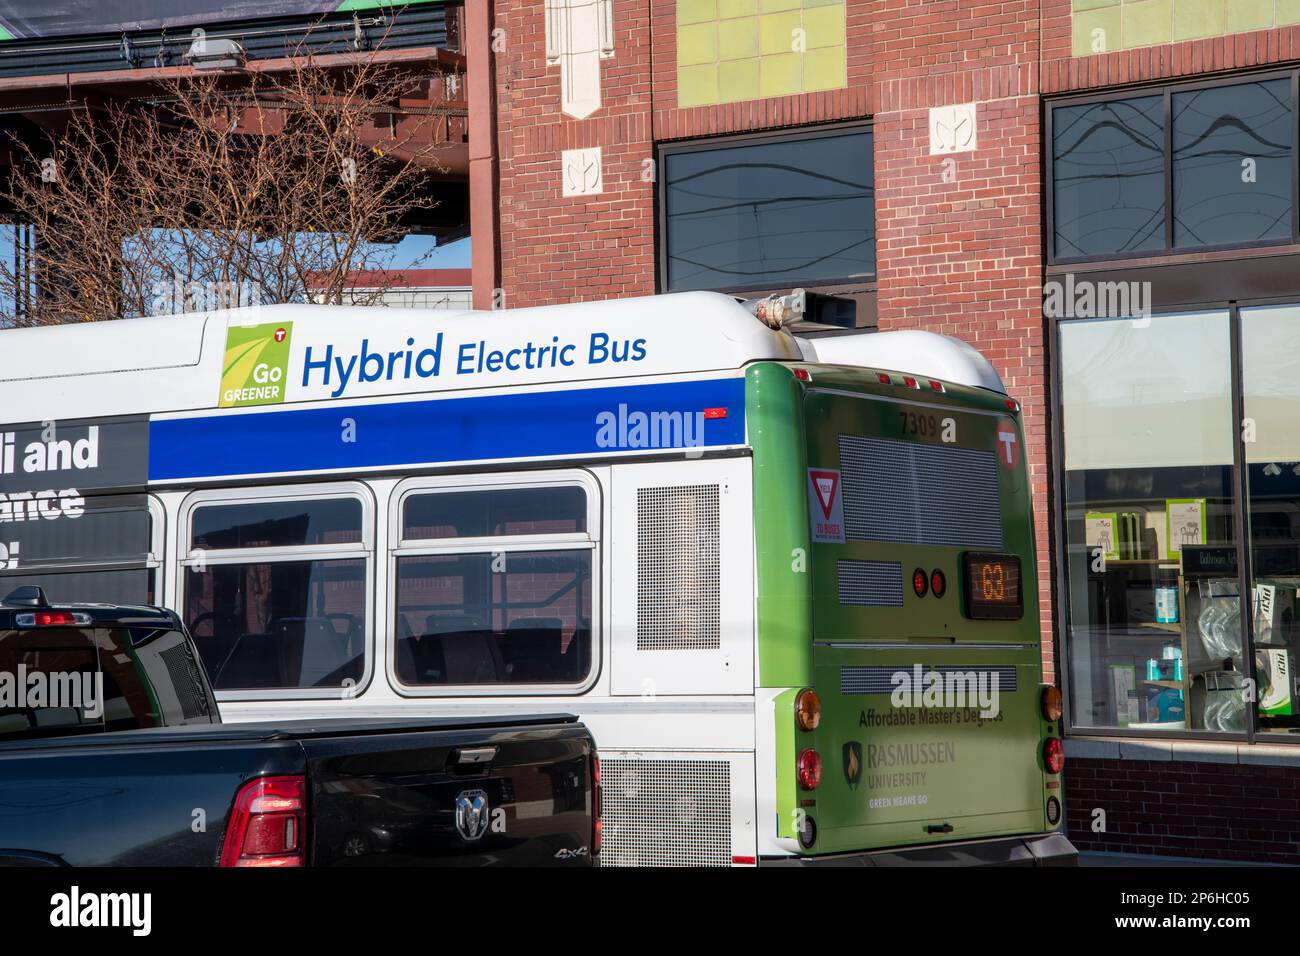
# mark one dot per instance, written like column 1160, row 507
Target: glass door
column 1154, row 638
column 1270, row 343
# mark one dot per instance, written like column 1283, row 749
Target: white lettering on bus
column 34, row 505
column 59, row 455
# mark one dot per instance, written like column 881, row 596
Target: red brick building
column 942, row 164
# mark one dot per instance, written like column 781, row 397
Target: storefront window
column 1154, row 636
column 1270, row 341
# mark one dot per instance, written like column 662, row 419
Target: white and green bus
column 787, row 578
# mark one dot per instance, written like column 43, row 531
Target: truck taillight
column 597, row 824
column 1054, row 755
column 268, row 824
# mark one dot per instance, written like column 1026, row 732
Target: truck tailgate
column 515, row 795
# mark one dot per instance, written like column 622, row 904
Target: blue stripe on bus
column 528, row 425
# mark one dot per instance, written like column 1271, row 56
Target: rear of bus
column 899, row 642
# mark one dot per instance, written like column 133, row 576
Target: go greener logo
column 256, row 364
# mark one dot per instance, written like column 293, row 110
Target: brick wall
column 961, row 255
column 1217, row 811
column 554, row 249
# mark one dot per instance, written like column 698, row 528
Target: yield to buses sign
column 255, row 365
column 825, row 505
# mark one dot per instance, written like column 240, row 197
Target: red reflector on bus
column 1013, row 405
column 802, row 374
column 1054, row 755
column 744, row 861
column 910, row 382
column 715, row 413
column 936, row 386
column 884, row 379
column 809, row 769
column 938, row 583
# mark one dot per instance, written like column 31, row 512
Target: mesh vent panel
column 666, row 812
column 880, row 680
column 185, row 678
column 871, row 583
column 909, row 493
column 677, row 569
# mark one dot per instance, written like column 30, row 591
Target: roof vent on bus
column 27, row 596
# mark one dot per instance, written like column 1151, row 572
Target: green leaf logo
column 256, row 364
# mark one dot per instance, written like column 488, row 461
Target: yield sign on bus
column 825, row 506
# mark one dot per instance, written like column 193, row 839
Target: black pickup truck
column 112, row 753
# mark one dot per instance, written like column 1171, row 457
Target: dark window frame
column 1167, row 90
column 848, row 286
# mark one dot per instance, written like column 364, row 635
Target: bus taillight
column 807, row 710
column 938, row 583
column 1053, row 755
column 1052, row 706
column 809, row 769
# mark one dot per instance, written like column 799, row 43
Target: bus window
column 275, row 593
column 504, row 512
column 512, row 613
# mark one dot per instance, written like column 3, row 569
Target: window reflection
column 767, row 214
column 1108, row 177
column 1232, row 163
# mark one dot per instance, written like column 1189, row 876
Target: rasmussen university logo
column 255, row 365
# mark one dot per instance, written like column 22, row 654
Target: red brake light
column 802, row 374
column 920, row 582
column 268, row 824
column 597, row 824
column 52, row 619
column 715, row 413
column 910, row 382
column 938, row 583
column 1053, row 755
column 809, row 769
column 1013, row 405
column 936, row 386
column 884, row 379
